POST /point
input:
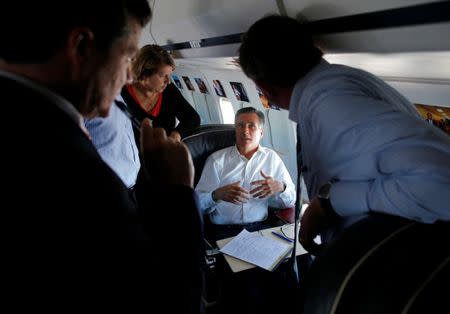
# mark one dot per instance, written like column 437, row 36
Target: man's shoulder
column 271, row 154
column 222, row 153
column 268, row 151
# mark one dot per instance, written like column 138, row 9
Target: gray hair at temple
column 260, row 115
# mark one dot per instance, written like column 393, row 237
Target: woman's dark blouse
column 173, row 107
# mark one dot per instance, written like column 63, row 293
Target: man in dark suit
column 430, row 119
column 72, row 235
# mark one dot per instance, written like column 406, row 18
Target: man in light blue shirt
column 364, row 147
column 113, row 137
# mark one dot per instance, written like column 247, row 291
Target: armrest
column 287, row 215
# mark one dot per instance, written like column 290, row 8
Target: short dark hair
column 32, row 31
column 263, row 57
column 260, row 115
column 149, row 59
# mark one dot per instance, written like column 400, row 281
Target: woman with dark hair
column 152, row 96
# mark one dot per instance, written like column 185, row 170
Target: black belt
column 214, row 232
column 225, row 231
column 239, row 226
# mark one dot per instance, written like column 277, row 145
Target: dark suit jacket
column 71, row 232
column 173, row 106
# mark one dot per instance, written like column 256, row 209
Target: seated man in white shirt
column 239, row 183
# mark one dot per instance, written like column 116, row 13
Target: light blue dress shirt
column 227, row 166
column 113, row 137
column 359, row 130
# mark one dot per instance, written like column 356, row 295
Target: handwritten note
column 257, row 249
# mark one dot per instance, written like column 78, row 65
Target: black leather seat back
column 205, row 141
column 383, row 264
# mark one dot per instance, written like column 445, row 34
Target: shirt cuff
column 348, row 199
column 205, row 202
column 209, row 208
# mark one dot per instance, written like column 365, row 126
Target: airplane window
column 226, row 108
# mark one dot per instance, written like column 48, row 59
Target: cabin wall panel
column 202, row 107
column 428, row 94
column 205, row 104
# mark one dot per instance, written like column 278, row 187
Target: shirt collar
column 300, row 87
column 56, row 99
column 260, row 150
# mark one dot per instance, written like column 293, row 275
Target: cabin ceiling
column 184, row 21
column 388, row 52
column 423, row 67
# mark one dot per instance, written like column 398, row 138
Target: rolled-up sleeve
column 287, row 197
column 209, row 181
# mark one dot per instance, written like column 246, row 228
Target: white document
column 257, row 249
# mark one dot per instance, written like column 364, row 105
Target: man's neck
column 248, row 153
column 284, row 94
column 39, row 73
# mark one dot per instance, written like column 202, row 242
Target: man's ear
column 280, row 96
column 266, row 89
column 79, row 46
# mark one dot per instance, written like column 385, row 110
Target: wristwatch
column 213, row 196
column 284, row 186
column 324, row 197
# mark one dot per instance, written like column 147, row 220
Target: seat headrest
column 375, row 266
column 206, row 141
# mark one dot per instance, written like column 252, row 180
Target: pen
column 282, row 237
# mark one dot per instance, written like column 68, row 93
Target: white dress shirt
column 227, row 166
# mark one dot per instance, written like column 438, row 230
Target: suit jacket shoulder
column 71, row 223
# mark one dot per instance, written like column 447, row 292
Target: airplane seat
column 205, row 140
column 382, row 264
column 209, row 138
column 207, row 127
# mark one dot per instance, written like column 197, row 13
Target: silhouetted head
column 80, row 50
column 280, row 59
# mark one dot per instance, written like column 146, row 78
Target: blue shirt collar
column 300, row 87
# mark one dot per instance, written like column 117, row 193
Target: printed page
column 257, row 249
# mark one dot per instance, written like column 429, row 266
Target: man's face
column 109, row 72
column 248, row 132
